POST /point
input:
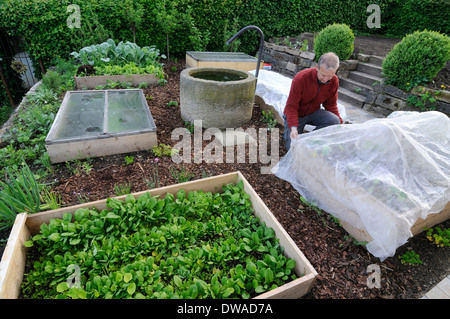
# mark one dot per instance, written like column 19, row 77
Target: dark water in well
column 218, row 76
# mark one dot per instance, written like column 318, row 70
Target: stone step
column 373, row 59
column 355, row 86
column 363, row 78
column 377, row 60
column 357, row 115
column 369, row 68
column 351, row 97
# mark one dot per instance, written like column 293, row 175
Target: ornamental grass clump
column 195, row 245
column 416, row 59
column 337, row 38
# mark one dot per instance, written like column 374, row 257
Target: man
column 309, row 89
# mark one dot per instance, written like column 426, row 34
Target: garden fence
column 16, row 69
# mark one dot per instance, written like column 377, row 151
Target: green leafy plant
column 438, row 236
column 78, row 167
column 129, row 160
column 337, row 38
column 416, row 59
column 163, row 150
column 267, row 117
column 129, row 69
column 162, row 82
column 410, row 258
column 172, row 103
column 187, row 245
column 29, row 130
column 108, row 53
column 424, row 100
column 302, row 46
column 143, row 85
column 110, row 84
column 52, row 81
column 189, row 126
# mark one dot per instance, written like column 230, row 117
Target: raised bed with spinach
column 203, row 245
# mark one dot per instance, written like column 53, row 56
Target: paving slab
column 440, row 291
column 229, row 138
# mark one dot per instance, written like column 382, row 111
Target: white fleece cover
column 380, row 176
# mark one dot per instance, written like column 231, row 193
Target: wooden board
column 91, row 82
column 418, row 227
column 238, row 65
column 12, row 266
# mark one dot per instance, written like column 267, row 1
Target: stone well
column 220, row 97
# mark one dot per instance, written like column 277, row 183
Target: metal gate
column 17, row 74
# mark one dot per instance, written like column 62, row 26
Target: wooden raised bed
column 419, row 226
column 12, row 265
column 91, row 82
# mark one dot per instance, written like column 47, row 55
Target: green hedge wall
column 409, row 16
column 206, row 24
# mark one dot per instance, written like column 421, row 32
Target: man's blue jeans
column 320, row 119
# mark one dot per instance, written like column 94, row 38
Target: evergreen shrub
column 337, row 38
column 416, row 59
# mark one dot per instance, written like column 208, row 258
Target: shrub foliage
column 337, row 38
column 196, row 25
column 416, row 59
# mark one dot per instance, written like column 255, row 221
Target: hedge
column 409, row 16
column 204, row 25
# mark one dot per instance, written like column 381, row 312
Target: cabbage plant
column 108, row 53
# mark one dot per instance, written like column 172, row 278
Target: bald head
column 329, row 60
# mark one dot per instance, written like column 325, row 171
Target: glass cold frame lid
column 127, row 112
column 90, row 114
column 82, row 115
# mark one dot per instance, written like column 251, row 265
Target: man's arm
column 293, row 102
column 331, row 103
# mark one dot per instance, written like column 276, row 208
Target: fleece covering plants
column 195, row 245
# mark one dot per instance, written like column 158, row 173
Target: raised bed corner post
column 261, row 45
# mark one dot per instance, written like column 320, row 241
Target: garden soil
column 341, row 263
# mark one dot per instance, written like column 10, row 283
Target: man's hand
column 294, row 133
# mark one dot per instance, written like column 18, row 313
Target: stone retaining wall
column 383, row 100
column 289, row 61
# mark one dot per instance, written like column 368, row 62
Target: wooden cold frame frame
column 68, row 149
